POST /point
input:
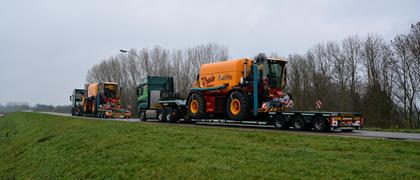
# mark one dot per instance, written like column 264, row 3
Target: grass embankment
column 39, row 146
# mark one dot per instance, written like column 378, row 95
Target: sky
column 47, row 46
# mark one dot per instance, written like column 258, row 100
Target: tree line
column 366, row 74
column 128, row 69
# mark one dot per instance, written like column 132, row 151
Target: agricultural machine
column 101, row 99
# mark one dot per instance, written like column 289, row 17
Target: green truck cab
column 77, row 102
column 157, row 100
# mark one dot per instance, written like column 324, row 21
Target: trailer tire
column 320, row 124
column 237, row 106
column 196, row 105
column 280, row 122
column 299, row 123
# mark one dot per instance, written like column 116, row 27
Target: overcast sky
column 47, row 46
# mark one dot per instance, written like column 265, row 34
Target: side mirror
column 71, row 98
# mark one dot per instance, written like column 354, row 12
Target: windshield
column 274, row 75
column 110, row 90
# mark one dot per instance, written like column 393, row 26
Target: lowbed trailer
column 238, row 90
column 318, row 120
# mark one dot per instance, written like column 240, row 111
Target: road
column 355, row 133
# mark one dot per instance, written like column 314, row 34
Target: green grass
column 39, row 146
column 393, row 130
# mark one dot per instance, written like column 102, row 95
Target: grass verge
column 39, row 146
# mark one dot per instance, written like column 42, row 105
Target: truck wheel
column 196, row 105
column 170, row 118
column 280, row 122
column 237, row 106
column 142, row 116
column 299, row 123
column 162, row 117
column 320, row 124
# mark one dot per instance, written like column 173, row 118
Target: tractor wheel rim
column 194, row 106
column 235, row 106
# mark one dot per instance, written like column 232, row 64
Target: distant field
column 39, row 146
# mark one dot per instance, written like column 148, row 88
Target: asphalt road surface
column 354, row 133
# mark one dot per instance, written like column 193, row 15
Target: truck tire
column 196, row 105
column 237, row 106
column 162, row 116
column 280, row 122
column 320, row 124
column 170, row 118
column 142, row 116
column 299, row 123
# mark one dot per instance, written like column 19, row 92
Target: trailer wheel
column 280, row 122
column 237, row 106
column 196, row 105
column 299, row 123
column 320, row 124
column 142, row 116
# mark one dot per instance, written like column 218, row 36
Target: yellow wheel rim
column 235, row 107
column 194, row 106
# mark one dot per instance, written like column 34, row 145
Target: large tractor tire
column 237, row 106
column 320, row 124
column 196, row 106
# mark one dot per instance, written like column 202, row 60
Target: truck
column 76, row 102
column 158, row 100
column 253, row 90
column 240, row 90
column 100, row 99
